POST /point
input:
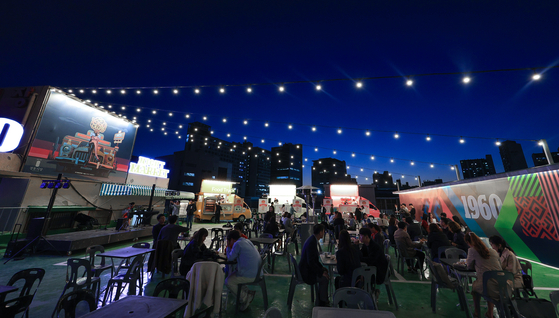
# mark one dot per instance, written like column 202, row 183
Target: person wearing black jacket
column 272, row 227
column 414, row 229
column 190, row 209
column 196, row 251
column 311, row 269
column 458, row 239
column 373, row 254
column 157, row 227
column 446, row 229
column 338, row 224
column 358, row 215
column 392, row 227
column 217, row 215
column 436, row 239
column 347, row 258
column 376, row 234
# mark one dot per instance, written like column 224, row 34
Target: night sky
column 207, row 44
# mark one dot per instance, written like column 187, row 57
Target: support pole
column 151, row 197
column 546, row 151
column 419, row 181
column 46, row 225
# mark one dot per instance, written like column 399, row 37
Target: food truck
column 345, row 198
column 213, row 192
column 283, row 196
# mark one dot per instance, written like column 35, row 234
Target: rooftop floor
column 413, row 294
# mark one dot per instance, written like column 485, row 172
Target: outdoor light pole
column 547, row 152
column 419, row 181
column 457, row 172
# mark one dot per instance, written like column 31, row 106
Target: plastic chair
column 440, row 279
column 386, row 245
column 172, row 288
column 98, row 269
column 272, row 312
column 369, row 274
column 297, row 279
column 527, row 270
column 554, row 297
column 70, row 301
column 456, row 254
column 442, row 250
column 132, row 275
column 12, row 307
column 175, row 255
column 77, row 281
column 216, row 232
column 504, row 304
column 352, row 297
column 21, row 303
column 258, row 280
column 388, row 284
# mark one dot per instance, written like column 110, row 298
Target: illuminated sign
column 217, row 187
column 149, row 167
column 13, row 134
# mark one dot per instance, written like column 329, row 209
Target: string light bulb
column 175, row 91
column 353, row 155
column 462, row 140
column 391, row 159
column 245, row 122
column 359, row 84
column 153, row 112
column 180, row 126
column 196, row 91
column 155, row 91
column 372, row 157
column 339, row 130
column 170, row 114
column 318, row 87
column 138, row 110
column 222, row 90
column 428, row 138
column 536, row 77
column 412, row 163
column 122, row 91
column 224, row 120
column 409, row 82
column 432, row 166
column 396, row 135
column 249, row 89
column 367, row 133
column 205, row 118
column 281, row 88
column 266, row 124
column 138, row 92
column 81, row 90
column 315, row 149
column 313, row 128
column 452, row 168
column 290, row 126
column 498, row 143
column 123, row 108
column 187, row 115
column 94, row 91
column 466, row 79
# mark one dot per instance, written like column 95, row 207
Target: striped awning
column 139, row 190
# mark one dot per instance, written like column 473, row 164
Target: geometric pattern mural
column 535, row 218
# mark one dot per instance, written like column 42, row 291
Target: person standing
column 176, row 207
column 311, row 269
column 358, row 215
column 217, row 215
column 412, row 211
column 248, row 262
column 171, row 231
column 190, row 209
column 127, row 215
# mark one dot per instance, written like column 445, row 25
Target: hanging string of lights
column 466, row 78
column 290, row 125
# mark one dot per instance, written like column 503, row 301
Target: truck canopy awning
column 139, row 190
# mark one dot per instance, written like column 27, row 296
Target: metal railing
column 9, row 217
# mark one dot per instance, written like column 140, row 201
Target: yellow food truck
column 233, row 207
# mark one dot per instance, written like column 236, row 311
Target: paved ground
column 412, row 293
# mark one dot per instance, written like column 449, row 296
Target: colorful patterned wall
column 523, row 209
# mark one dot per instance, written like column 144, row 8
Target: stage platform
column 69, row 242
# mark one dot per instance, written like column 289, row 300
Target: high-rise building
column 383, row 180
column 512, row 156
column 326, row 171
column 287, row 164
column 259, row 167
column 540, row 159
column 473, row 168
column 429, row 182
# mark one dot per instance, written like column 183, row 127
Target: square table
column 460, row 271
column 140, row 306
column 330, row 263
column 7, row 289
column 126, row 253
column 333, row 312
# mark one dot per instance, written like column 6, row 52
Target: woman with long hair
column 194, row 251
column 509, row 262
column 347, row 258
column 436, row 239
column 392, row 228
column 482, row 259
column 458, row 237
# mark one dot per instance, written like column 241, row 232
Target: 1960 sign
column 12, row 136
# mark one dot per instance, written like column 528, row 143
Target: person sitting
column 383, row 222
column 482, row 259
column 311, row 269
column 157, row 227
column 248, row 261
column 288, row 224
column 347, row 258
column 446, row 229
column 339, row 224
column 373, row 254
column 402, row 237
column 351, row 222
column 425, row 224
column 458, row 238
column 392, row 228
column 436, row 239
column 236, row 227
column 509, row 261
column 196, row 251
column 377, row 235
column 171, row 231
column 414, row 229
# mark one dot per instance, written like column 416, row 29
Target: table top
column 452, row 263
column 139, row 306
column 332, row 312
column 127, row 252
column 330, row 261
column 264, row 240
column 7, row 289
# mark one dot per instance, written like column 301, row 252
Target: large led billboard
column 80, row 141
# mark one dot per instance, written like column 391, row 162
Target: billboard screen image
column 81, row 141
